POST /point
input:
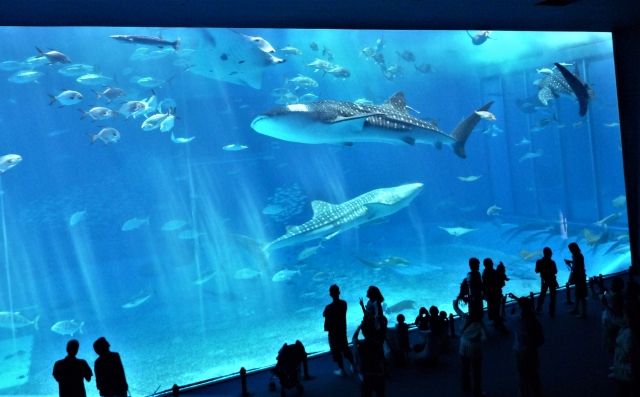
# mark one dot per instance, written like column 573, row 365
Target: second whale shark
column 328, row 121
column 329, row 220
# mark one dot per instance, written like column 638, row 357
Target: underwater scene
column 191, row 194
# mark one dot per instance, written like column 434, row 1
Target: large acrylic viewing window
column 191, row 194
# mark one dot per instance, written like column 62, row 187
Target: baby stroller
column 289, row 363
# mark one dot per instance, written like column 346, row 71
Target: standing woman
column 579, row 276
column 110, row 378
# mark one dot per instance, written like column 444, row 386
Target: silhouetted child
column 71, row 372
column 402, row 333
column 335, row 324
column 422, row 321
column 110, row 378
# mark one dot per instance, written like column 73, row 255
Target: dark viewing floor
column 572, row 363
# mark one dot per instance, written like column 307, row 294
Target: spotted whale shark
column 562, row 82
column 328, row 121
column 329, row 220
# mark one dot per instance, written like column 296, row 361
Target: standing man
column 335, row 323
column 547, row 269
column 70, row 372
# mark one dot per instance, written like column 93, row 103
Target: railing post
column 243, row 382
column 175, row 390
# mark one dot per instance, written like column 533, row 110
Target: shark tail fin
column 464, row 128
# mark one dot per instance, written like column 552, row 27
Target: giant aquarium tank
column 191, row 194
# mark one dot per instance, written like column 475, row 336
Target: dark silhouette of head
column 334, row 291
column 474, row 264
column 488, row 263
column 574, row 248
column 546, row 251
column 374, row 294
column 72, row 347
column 433, row 311
column 423, row 311
column 400, row 318
column 101, row 346
column 526, row 306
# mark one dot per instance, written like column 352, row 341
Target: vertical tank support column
column 626, row 51
column 243, row 382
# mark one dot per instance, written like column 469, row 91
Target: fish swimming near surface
column 77, row 217
column 580, row 89
column 99, row 113
column 329, row 220
column 68, row 327
column 246, row 274
column 480, row 37
column 134, row 223
column 15, row 320
column 457, row 231
column 54, row 56
column 494, row 210
column 328, row 121
column 9, row 161
column 155, row 41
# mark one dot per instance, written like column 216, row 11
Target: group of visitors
column 71, row 372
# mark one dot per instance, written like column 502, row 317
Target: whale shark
column 328, row 121
column 329, row 220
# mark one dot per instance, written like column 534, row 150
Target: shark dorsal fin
column 397, row 101
column 319, row 206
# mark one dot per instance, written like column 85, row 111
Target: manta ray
column 328, row 121
column 329, row 220
column 232, row 57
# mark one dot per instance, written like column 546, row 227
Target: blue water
column 200, row 301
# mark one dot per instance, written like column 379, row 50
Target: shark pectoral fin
column 409, row 139
column 373, row 209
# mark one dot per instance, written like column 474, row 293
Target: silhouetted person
column 422, row 321
column 528, row 337
column 335, row 323
column 492, row 294
column 71, row 372
column 474, row 283
column 547, row 269
column 370, row 359
column 373, row 311
column 613, row 303
column 402, row 333
column 501, row 280
column 472, row 336
column 576, row 263
column 110, row 378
